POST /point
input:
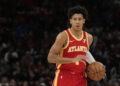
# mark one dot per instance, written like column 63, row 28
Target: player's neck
column 77, row 33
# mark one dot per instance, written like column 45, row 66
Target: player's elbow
column 49, row 58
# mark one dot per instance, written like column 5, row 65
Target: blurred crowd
column 28, row 28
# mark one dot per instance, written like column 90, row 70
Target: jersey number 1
column 77, row 63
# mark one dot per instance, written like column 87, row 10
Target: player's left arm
column 90, row 59
column 89, row 56
column 90, row 39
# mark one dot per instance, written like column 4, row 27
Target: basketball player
column 71, row 51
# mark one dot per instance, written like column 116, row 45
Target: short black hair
column 77, row 10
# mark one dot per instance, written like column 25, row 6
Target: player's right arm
column 53, row 56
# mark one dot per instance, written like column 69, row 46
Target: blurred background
column 28, row 28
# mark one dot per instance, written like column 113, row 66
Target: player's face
column 77, row 21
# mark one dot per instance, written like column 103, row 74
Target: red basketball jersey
column 73, row 48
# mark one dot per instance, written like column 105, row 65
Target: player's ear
column 84, row 21
column 70, row 21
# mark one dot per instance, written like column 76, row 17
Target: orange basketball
column 96, row 71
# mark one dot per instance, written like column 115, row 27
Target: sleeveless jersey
column 73, row 48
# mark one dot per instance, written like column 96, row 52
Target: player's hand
column 105, row 72
column 79, row 58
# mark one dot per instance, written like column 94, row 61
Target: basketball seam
column 96, row 71
column 91, row 68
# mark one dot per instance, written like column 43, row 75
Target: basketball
column 96, row 71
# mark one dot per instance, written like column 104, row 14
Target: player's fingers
column 104, row 76
column 105, row 68
column 85, row 74
column 81, row 56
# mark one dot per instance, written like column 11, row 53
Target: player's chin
column 78, row 28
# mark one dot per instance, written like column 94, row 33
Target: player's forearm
column 90, row 58
column 59, row 60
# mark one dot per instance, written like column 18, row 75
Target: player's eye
column 75, row 19
column 80, row 19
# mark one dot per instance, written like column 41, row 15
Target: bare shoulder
column 90, row 38
column 89, row 35
column 59, row 42
column 62, row 36
column 60, row 39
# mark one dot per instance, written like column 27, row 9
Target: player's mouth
column 77, row 26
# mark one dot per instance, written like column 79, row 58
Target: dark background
column 28, row 28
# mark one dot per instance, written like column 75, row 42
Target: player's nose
column 77, row 21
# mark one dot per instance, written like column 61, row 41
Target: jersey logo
column 77, row 48
column 84, row 40
column 72, row 40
